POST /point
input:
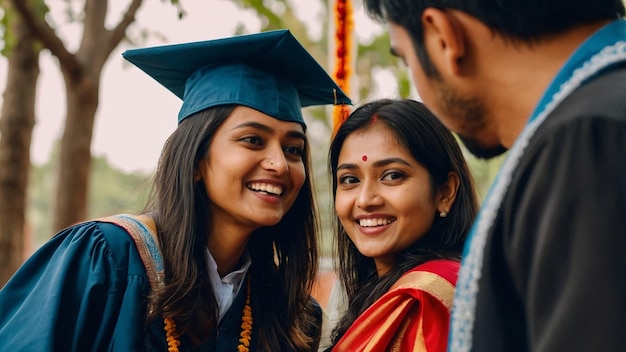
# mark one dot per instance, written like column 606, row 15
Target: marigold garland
column 343, row 39
column 170, row 333
column 246, row 324
column 246, row 328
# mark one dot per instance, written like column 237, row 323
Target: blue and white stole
column 603, row 49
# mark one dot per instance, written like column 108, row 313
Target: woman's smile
column 266, row 188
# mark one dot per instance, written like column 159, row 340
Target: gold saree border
column 428, row 282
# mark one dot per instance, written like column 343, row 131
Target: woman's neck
column 227, row 248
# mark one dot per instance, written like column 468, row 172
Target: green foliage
column 8, row 39
column 111, row 191
column 180, row 11
column 7, row 18
column 39, row 205
column 377, row 51
column 271, row 20
column 404, row 83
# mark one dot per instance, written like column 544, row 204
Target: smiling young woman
column 405, row 201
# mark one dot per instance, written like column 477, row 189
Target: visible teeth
column 266, row 187
column 374, row 222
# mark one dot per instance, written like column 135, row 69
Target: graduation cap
column 269, row 71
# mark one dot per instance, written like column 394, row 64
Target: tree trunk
column 16, row 126
column 81, row 72
column 75, row 154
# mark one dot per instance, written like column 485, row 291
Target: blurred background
column 81, row 129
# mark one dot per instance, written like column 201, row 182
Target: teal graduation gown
column 86, row 290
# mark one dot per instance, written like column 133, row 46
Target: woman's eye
column 294, row 150
column 348, row 180
column 393, row 175
column 253, row 140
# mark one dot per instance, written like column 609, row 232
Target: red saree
column 413, row 316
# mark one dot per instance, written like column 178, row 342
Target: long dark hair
column 284, row 256
column 436, row 149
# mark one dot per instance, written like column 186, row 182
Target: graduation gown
column 86, row 290
column 554, row 270
column 413, row 315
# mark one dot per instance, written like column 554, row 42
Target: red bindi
column 364, row 157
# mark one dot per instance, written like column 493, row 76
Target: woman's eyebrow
column 377, row 163
column 346, row 167
column 383, row 162
column 268, row 129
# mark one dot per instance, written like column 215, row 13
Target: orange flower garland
column 246, row 328
column 170, row 333
column 246, row 325
column 343, row 38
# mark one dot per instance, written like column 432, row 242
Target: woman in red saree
column 405, row 201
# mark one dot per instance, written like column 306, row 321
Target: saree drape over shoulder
column 413, row 316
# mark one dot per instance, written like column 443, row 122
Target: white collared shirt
column 226, row 288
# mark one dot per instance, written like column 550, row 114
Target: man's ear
column 444, row 39
column 446, row 193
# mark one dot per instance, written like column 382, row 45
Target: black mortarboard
column 269, row 71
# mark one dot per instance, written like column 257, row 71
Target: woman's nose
column 276, row 161
column 368, row 196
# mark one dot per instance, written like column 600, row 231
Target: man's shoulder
column 602, row 97
column 595, row 110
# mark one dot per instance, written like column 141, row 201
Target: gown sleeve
column 84, row 290
column 412, row 316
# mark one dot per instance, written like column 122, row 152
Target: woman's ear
column 446, row 193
